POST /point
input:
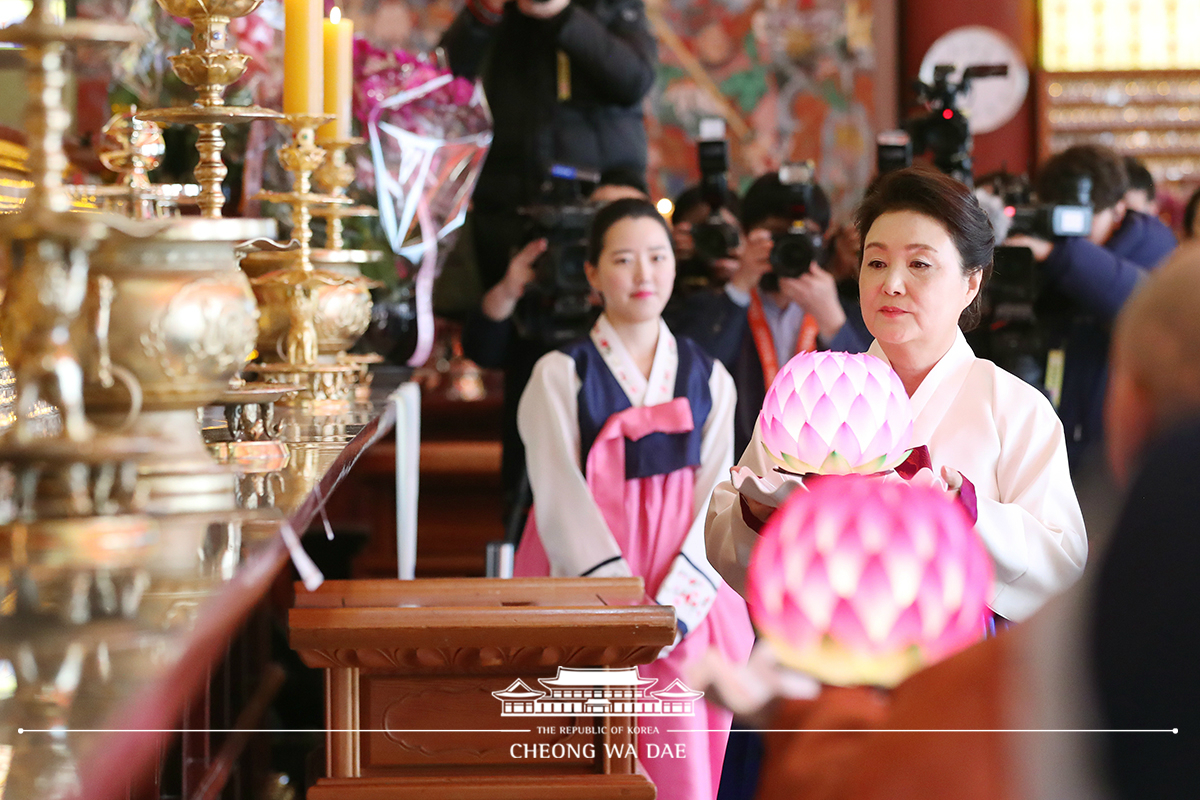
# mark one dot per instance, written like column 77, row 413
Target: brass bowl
column 343, row 302
column 221, row 67
column 182, row 318
column 347, row 262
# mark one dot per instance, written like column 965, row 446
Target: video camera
column 558, row 309
column 944, row 130
column 1014, row 305
column 714, row 238
column 793, row 252
column 1048, row 220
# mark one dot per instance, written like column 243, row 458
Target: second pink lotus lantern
column 863, row 581
column 836, row 413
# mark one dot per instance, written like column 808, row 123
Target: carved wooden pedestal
column 410, row 671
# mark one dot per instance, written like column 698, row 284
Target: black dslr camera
column 793, row 252
column 558, row 309
column 714, row 238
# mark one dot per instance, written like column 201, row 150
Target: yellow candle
column 303, row 78
column 339, row 70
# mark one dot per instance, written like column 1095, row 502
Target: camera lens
column 793, row 253
column 714, row 239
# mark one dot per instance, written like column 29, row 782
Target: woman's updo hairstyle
column 614, row 212
column 931, row 193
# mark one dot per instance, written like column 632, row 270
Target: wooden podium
column 411, row 668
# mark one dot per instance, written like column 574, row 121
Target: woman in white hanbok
column 927, row 250
column 626, row 433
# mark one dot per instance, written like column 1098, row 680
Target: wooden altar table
column 411, row 668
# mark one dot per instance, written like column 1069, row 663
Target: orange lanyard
column 764, row 341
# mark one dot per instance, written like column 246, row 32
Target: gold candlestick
column 300, row 284
column 210, row 66
column 302, row 158
column 304, row 307
column 333, row 177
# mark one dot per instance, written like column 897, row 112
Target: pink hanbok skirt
column 649, row 518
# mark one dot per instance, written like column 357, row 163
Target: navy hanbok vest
column 601, row 396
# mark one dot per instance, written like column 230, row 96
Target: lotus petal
column 836, row 393
column 870, row 572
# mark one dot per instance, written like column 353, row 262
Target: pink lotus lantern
column 862, row 581
column 836, row 413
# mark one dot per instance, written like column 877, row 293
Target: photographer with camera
column 780, row 300
column 706, row 241
column 516, row 323
column 1088, row 278
column 565, row 81
column 705, row 233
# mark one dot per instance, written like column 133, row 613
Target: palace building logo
column 597, row 692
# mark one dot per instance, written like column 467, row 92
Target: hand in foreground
column 500, row 301
column 752, row 690
column 816, row 292
column 1040, row 247
column 542, row 9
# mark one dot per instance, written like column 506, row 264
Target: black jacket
column 599, row 126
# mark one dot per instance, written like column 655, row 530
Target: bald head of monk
column 1154, row 380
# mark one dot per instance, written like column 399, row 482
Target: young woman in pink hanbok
column 627, row 431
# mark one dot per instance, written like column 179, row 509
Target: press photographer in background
column 565, row 81
column 707, row 243
column 781, row 300
column 705, row 233
column 1086, row 280
column 543, row 299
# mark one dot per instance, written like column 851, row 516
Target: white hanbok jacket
column 1005, row 437
column 573, row 531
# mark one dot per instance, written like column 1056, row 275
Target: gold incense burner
column 183, row 316
column 181, row 322
column 343, row 298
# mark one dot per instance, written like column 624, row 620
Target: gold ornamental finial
column 209, row 66
column 334, row 177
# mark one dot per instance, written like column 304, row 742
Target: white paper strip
column 408, row 461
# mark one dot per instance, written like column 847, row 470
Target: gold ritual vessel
column 73, row 542
column 131, row 147
column 309, row 315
